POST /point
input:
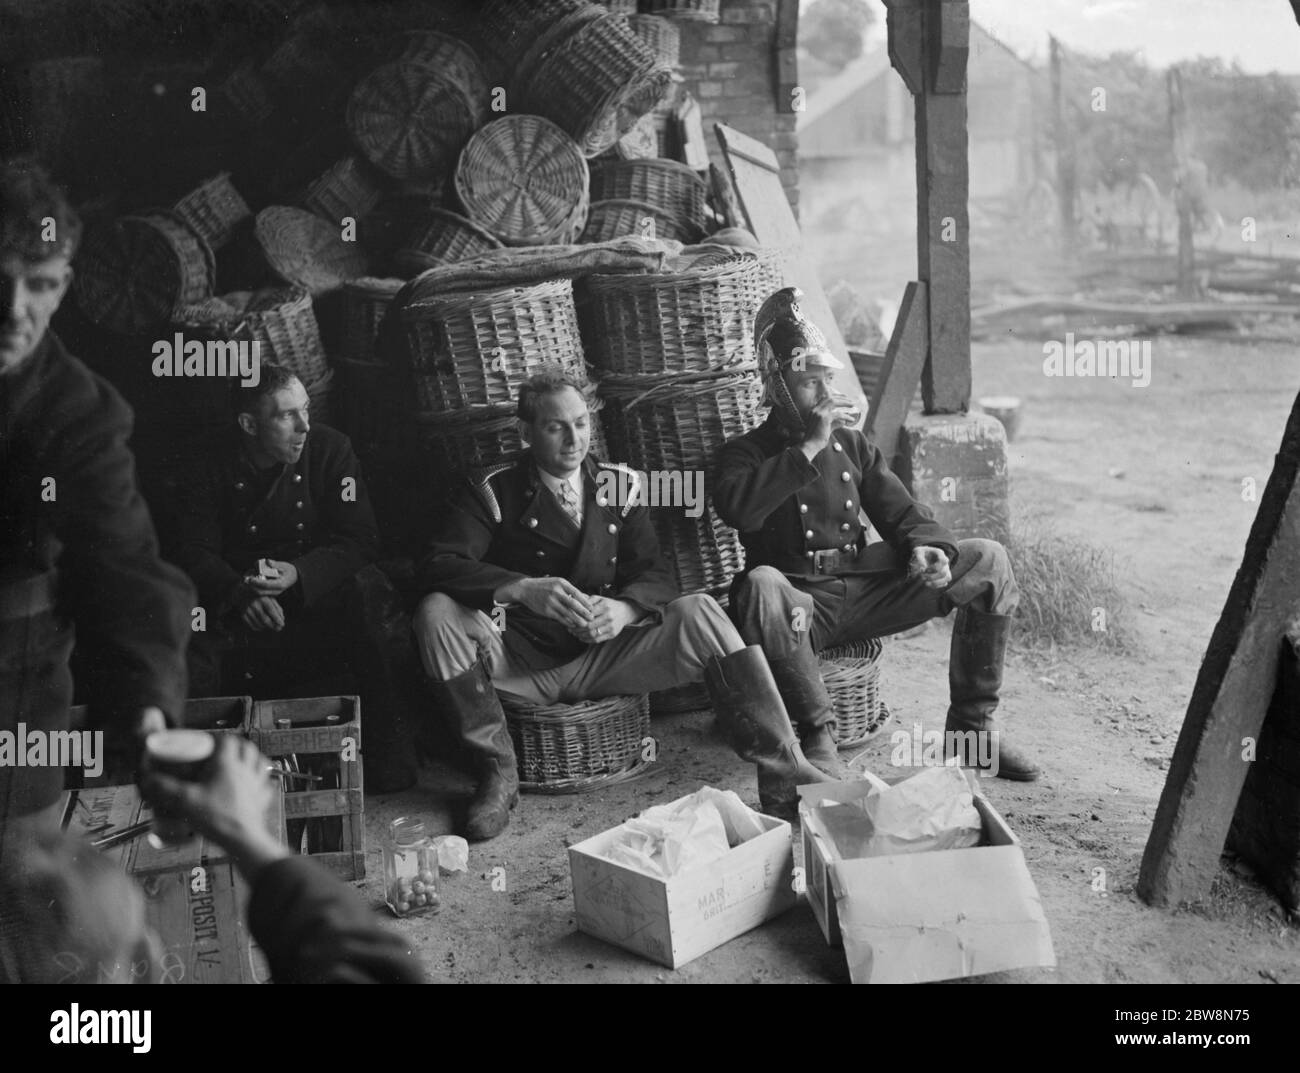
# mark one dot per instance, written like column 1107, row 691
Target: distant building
column 856, row 134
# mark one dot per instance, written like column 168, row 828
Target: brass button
column 808, row 534
column 836, row 447
column 298, row 505
column 532, row 523
column 603, row 501
column 848, row 547
column 297, row 478
column 810, row 555
column 845, row 527
column 803, row 508
column 846, row 476
column 298, row 527
column 613, row 528
column 848, row 504
column 613, row 559
column 541, row 555
column 239, row 486
column 252, row 529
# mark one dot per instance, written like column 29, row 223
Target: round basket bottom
column 573, row 748
column 852, row 676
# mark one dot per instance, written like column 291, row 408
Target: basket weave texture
column 365, row 304
column 667, row 184
column 698, row 319
column 307, row 251
column 410, row 120
column 569, row 748
column 852, row 676
column 344, row 189
column 281, row 319
column 442, row 238
column 213, row 209
column 686, row 10
column 664, row 39
column 134, row 274
column 477, row 347
column 525, row 180
column 619, row 217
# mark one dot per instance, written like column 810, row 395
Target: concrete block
column 956, row 464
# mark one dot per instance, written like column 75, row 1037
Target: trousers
column 641, row 659
column 779, row 611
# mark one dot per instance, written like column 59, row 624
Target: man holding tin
column 78, row 556
column 795, row 488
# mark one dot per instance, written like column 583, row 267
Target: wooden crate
column 307, row 737
column 195, row 900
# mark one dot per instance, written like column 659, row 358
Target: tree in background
column 832, row 30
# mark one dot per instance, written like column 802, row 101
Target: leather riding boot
column 979, row 646
column 754, row 719
column 799, row 681
column 475, row 714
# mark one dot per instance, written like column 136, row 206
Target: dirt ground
column 1154, row 473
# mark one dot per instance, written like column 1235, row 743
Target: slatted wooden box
column 195, row 900
column 335, row 811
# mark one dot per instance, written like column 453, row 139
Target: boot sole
column 480, row 834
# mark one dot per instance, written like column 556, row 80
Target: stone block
column 956, row 464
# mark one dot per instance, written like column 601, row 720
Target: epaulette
column 481, row 482
column 635, row 478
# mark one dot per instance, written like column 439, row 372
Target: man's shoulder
column 73, row 397
column 494, row 485
column 328, row 442
column 762, row 439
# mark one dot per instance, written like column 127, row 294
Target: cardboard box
column 195, row 900
column 914, row 917
column 673, row 921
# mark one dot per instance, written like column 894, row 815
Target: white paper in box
column 675, row 920
column 925, row 916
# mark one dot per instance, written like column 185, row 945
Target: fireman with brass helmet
column 795, row 488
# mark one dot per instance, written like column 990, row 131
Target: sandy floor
column 1153, row 473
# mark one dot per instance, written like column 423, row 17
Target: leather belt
column 830, row 560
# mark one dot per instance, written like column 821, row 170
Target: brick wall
column 731, row 69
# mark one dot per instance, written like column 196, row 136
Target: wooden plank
column 906, row 31
column 756, row 175
column 900, row 372
column 1232, row 695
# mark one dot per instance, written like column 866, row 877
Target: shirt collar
column 553, row 483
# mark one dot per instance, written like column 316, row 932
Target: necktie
column 569, row 501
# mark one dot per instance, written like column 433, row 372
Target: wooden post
column 1182, row 184
column 1067, row 167
column 1232, row 695
column 928, row 45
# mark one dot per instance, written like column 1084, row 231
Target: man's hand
column 263, row 613
column 228, row 807
column 609, row 619
column 274, row 586
column 551, row 597
column 931, row 566
column 818, row 425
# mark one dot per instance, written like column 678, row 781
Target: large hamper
column 572, row 748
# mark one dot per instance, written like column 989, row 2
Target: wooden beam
column 1232, row 695
column 1183, row 193
column 905, row 33
column 900, row 372
column 1067, row 180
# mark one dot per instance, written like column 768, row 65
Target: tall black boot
column 754, row 718
column 474, row 712
column 799, row 681
column 979, row 646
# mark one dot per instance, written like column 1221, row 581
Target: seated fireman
column 793, row 488
column 282, row 489
column 590, row 609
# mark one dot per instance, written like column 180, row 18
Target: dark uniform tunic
column 77, row 550
column 508, row 526
column 315, row 514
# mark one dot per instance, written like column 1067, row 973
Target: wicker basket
column 365, row 304
column 670, row 186
column 345, row 189
column 213, row 209
column 246, row 93
column 697, row 320
column 281, row 319
column 620, row 7
column 664, row 39
column 704, row 553
column 680, row 700
column 476, row 348
column 596, row 83
column 687, row 10
column 442, row 238
column 452, row 56
column 852, row 676
column 307, row 251
column 133, row 275
column 411, row 120
column 524, row 179
column 320, row 393
column 569, row 748
column 512, row 28
column 614, row 219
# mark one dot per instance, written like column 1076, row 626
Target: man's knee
column 700, row 616
column 992, row 565
column 439, row 620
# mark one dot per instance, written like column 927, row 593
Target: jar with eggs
column 410, row 869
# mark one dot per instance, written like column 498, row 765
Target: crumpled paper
column 453, row 854
column 932, row 810
column 665, row 840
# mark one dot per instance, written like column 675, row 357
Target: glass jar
column 410, row 869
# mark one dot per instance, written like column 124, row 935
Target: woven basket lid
column 525, row 180
column 410, row 120
column 305, row 250
column 448, row 54
column 133, row 274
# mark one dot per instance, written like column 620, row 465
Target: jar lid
column 406, row 829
